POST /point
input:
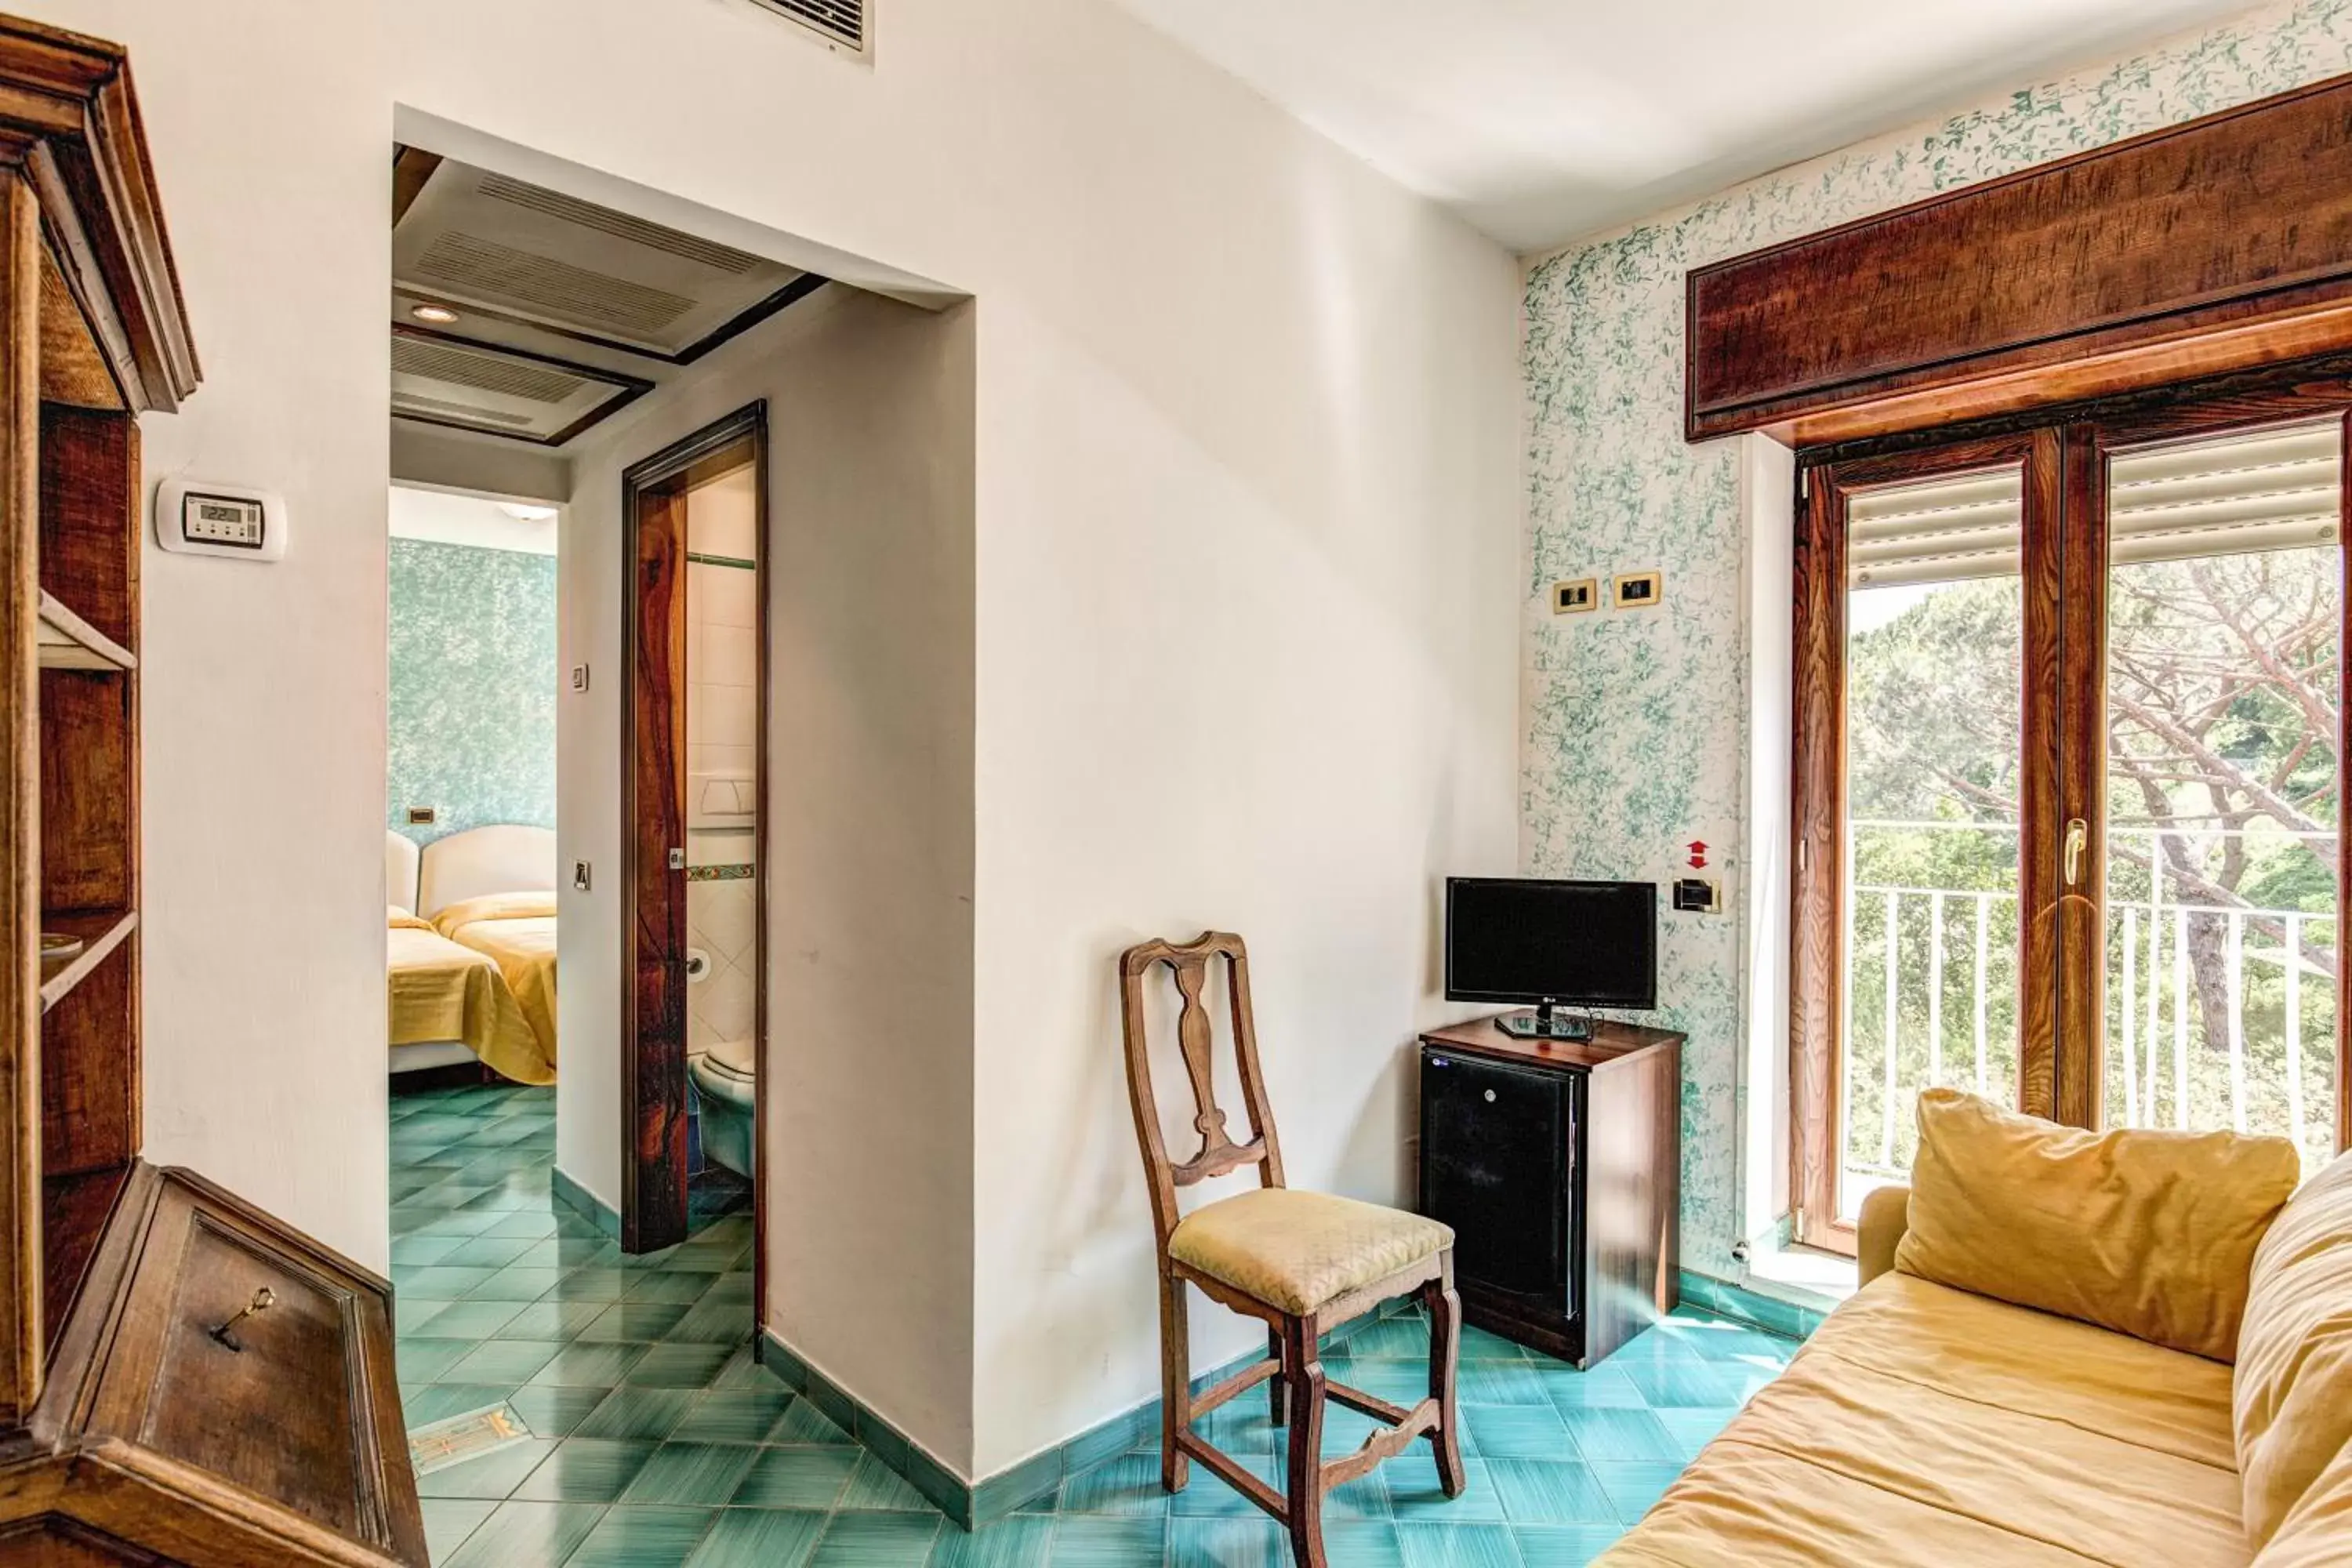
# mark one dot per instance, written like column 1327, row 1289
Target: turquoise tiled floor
column 658, row 1442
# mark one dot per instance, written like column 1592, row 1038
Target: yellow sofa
column 1929, row 1425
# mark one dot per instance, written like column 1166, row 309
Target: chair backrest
column 1219, row 1153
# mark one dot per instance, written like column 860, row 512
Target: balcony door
column 2070, row 715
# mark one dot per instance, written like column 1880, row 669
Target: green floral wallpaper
column 1635, row 737
column 473, row 680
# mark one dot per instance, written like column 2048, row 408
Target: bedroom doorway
column 470, row 787
column 693, row 780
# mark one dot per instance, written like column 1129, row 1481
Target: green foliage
column 2222, row 719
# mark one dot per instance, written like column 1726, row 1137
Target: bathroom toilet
column 722, row 1080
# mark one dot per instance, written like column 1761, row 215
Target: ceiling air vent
column 844, row 24
column 478, row 387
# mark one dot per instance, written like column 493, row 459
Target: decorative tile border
column 732, row 873
column 582, row 1202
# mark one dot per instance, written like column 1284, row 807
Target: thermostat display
column 197, row 519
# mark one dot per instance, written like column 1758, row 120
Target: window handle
column 2078, row 834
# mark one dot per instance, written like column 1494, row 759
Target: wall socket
column 580, row 875
column 420, row 815
column 1698, row 895
column 1639, row 589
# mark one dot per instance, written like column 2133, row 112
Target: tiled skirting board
column 1787, row 1318
column 1038, row 1477
column 582, row 1202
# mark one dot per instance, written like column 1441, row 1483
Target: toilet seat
column 725, row 1071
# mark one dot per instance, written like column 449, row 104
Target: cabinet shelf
column 100, row 935
column 69, row 642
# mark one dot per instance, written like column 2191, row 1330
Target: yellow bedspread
column 438, row 990
column 516, row 931
column 1923, row 1427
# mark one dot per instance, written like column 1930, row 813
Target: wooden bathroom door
column 653, row 1058
column 654, row 780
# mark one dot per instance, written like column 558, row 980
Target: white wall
column 1768, row 526
column 264, row 686
column 1246, row 518
column 868, row 881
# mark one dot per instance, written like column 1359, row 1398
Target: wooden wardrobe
column 182, row 1379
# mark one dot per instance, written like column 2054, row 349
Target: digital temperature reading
column 220, row 520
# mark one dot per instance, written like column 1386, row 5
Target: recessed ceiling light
column 526, row 513
column 440, row 315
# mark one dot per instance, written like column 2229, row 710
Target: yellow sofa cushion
column 2150, row 1233
column 2317, row 1530
column 1925, row 1427
column 2293, row 1386
column 1299, row 1251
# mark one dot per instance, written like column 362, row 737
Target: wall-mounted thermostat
column 194, row 517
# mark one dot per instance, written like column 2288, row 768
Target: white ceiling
column 1541, row 120
column 444, row 517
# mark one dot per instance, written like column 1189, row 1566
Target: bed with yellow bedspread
column 517, row 933
column 439, row 990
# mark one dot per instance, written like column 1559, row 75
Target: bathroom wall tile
column 729, row 595
column 729, row 657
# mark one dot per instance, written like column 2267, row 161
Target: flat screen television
column 1551, row 944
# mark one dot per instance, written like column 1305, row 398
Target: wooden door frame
column 1818, row 795
column 2064, row 571
column 652, row 718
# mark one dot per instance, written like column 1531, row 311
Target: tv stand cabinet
column 1559, row 1164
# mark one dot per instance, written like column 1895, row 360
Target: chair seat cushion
column 1298, row 1251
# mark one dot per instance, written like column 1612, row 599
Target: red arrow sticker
column 1698, row 853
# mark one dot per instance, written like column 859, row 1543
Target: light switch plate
column 1639, row 589
column 578, row 678
column 580, row 875
column 195, row 517
column 1575, row 597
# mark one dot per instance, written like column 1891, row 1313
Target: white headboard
column 505, row 858
column 399, row 871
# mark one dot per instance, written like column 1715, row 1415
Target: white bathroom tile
column 730, row 657
column 728, row 716
column 722, row 518
column 728, row 1004
column 729, row 595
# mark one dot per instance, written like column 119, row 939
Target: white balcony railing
column 1934, row 971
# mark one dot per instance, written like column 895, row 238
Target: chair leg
column 1302, row 1368
column 1277, row 1392
column 1175, row 1383
column 1445, row 1356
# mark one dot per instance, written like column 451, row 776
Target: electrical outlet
column 580, row 875
column 1575, row 597
column 1639, row 589
column 1698, row 895
column 422, row 816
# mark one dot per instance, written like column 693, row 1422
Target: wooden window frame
column 2065, row 450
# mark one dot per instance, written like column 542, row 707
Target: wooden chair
column 1300, row 1262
